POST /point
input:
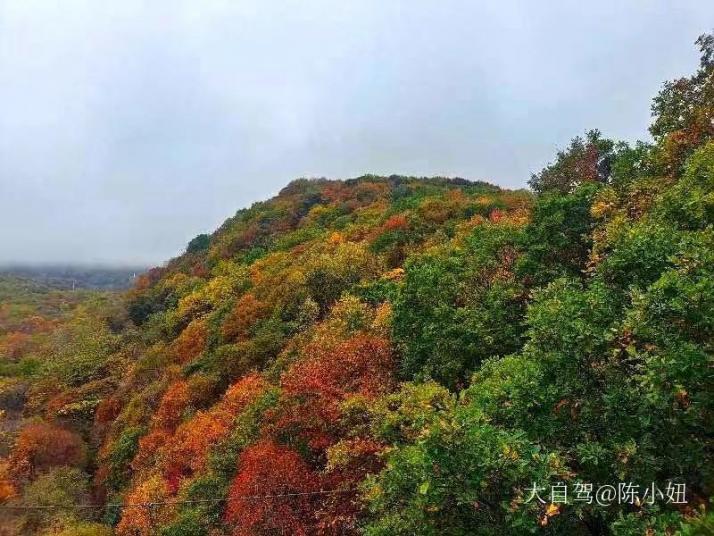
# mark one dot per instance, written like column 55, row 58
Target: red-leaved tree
column 273, row 491
column 41, row 446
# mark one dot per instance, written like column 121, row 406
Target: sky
column 127, row 127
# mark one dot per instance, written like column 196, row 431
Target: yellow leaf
column 552, row 510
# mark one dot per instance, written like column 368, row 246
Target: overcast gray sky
column 127, row 127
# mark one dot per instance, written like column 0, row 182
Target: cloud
column 128, row 127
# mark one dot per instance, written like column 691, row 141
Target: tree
column 271, row 492
column 463, row 476
column 315, row 387
column 186, row 451
column 174, row 401
column 585, row 160
column 61, row 488
column 460, row 305
column 144, row 520
column 247, row 311
column 191, row 342
column 199, row 243
column 684, row 112
column 558, row 239
column 7, row 487
column 41, row 446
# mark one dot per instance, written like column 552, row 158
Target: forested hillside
column 398, row 356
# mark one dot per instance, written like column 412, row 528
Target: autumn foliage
column 191, row 342
column 183, row 453
column 316, row 386
column 41, row 446
column 393, row 356
column 144, row 518
column 173, row 402
column 246, row 312
column 274, row 490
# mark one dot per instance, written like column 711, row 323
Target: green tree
column 460, row 306
column 199, row 243
column 585, row 160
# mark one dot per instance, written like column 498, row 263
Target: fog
column 126, row 128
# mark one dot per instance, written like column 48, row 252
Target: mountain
column 397, row 355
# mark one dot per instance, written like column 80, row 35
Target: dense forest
column 393, row 356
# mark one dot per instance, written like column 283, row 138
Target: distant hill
column 65, row 277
